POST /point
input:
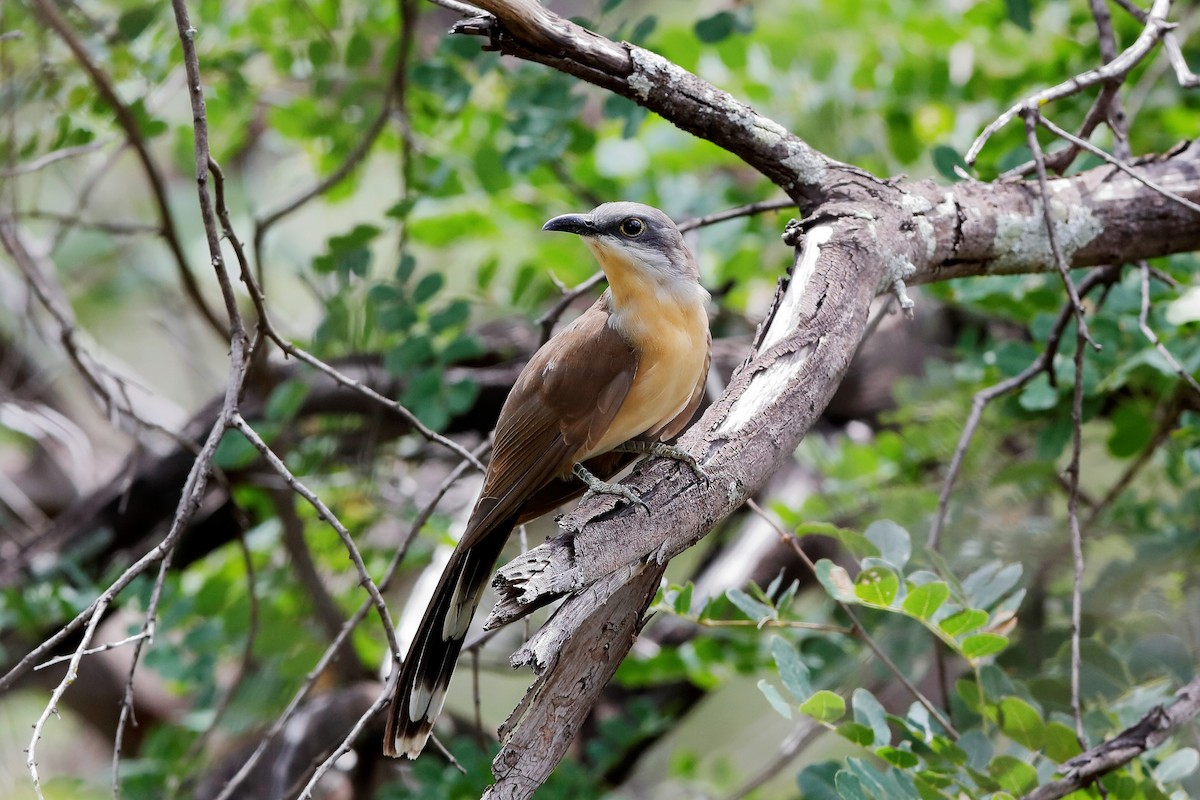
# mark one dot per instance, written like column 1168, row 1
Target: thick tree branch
column 861, row 236
column 1149, row 732
column 526, row 29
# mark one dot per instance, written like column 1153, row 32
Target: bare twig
column 733, row 213
column 1076, row 534
column 465, row 9
column 325, row 515
column 268, row 329
column 351, row 624
column 148, row 628
column 104, row 226
column 93, row 650
column 54, row 157
column 1148, row 332
column 129, row 124
column 1156, row 26
column 1064, row 269
column 548, row 320
column 56, row 695
column 985, row 396
column 1118, row 163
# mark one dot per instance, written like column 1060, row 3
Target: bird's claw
column 597, row 486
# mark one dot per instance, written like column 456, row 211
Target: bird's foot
column 666, row 451
column 597, row 486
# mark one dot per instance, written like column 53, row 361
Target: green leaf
column 234, row 452
column 983, row 644
column 817, row 781
column 792, row 671
column 286, row 399
column 413, row 352
column 683, row 601
column 1177, row 766
column 893, row 542
column 869, row 711
column 836, row 580
column 857, row 733
column 1132, row 429
column 132, row 22
column 903, row 759
column 858, row 545
column 1060, row 743
column 1022, row 722
column 963, row 621
column 749, row 606
column 1038, row 395
column 877, row 586
column 775, row 699
column 451, row 316
column 717, row 27
column 991, row 582
column 945, row 159
column 1020, row 13
column 461, row 396
column 923, row 601
column 430, row 285
column 824, row 706
column 1013, row 774
column 358, row 50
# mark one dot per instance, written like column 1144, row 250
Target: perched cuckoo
column 625, row 377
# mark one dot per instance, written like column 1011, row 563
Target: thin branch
column 1064, row 269
column 353, row 158
column 93, row 650
column 352, row 623
column 796, row 743
column 465, row 9
column 1118, row 163
column 268, row 329
column 1119, row 67
column 56, row 695
column 1149, row 732
column 104, row 226
column 129, row 124
column 1076, row 534
column 549, row 319
column 983, row 397
column 733, row 213
column 859, row 630
column 325, row 515
column 1148, row 332
column 53, row 157
column 148, row 628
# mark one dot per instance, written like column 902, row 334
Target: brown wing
column 563, row 402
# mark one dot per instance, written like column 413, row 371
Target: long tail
column 427, row 670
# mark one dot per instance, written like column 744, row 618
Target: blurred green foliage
column 434, row 236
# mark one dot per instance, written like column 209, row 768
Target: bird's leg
column 597, row 486
column 666, row 451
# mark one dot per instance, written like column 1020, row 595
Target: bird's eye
column 632, row 227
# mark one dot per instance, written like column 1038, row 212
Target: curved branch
column 1149, row 732
column 154, row 177
column 526, row 29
